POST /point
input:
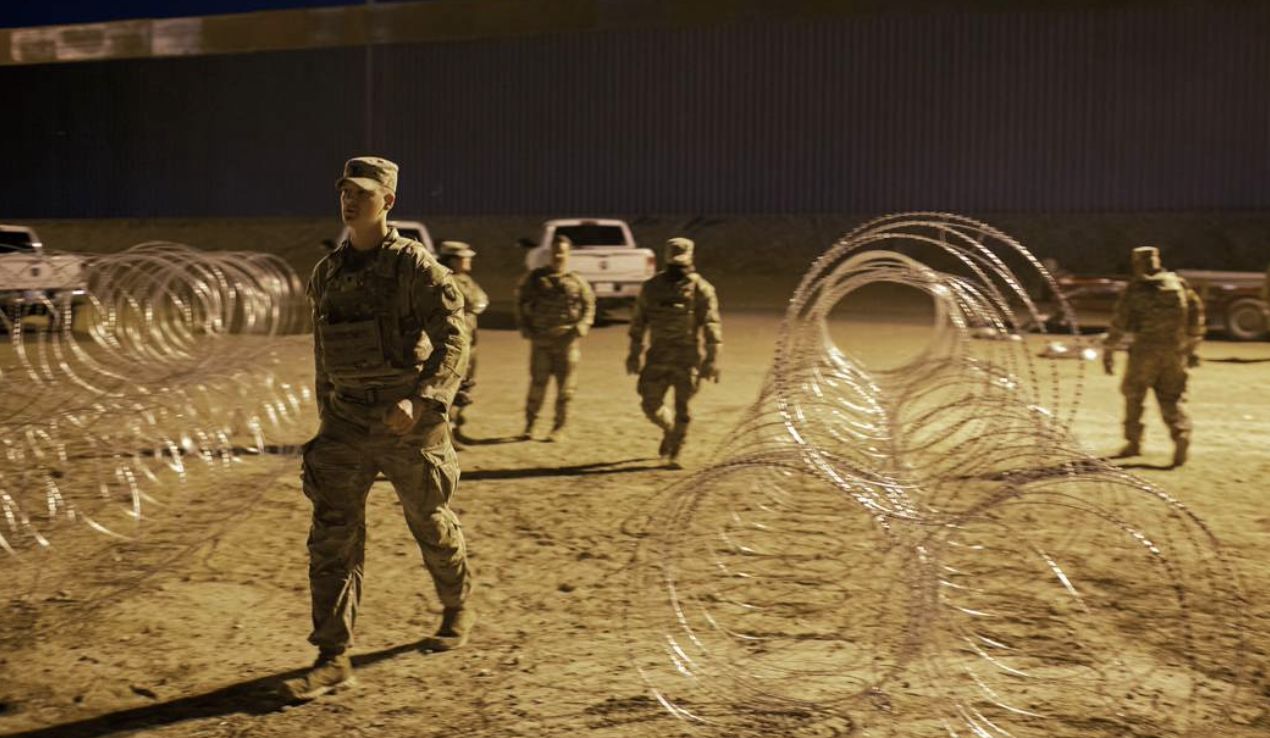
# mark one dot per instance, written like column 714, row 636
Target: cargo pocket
column 441, row 475
column 431, row 434
column 445, row 545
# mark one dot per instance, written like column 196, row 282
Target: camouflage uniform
column 1166, row 319
column 676, row 307
column 389, row 325
column 474, row 303
column 553, row 310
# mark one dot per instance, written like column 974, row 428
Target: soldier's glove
column 633, row 362
column 710, row 367
column 1108, row 361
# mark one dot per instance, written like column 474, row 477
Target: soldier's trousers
column 463, row 397
column 654, row 382
column 1162, row 371
column 340, row 465
column 555, row 358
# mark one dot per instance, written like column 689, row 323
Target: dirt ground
column 188, row 630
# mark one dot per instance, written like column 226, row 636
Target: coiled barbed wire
column 925, row 549
column 166, row 361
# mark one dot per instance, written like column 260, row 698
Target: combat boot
column 556, row 434
column 529, row 430
column 663, row 450
column 329, row 673
column 456, row 628
column 675, row 445
column 1180, row 447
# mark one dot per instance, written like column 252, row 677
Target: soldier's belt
column 374, row 395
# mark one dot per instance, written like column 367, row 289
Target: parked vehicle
column 1232, row 300
column 32, row 278
column 407, row 228
column 604, row 254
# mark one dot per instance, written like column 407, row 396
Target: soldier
column 677, row 307
column 390, row 347
column 457, row 257
column 554, row 308
column 1166, row 319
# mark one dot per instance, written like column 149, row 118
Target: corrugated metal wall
column 1127, row 110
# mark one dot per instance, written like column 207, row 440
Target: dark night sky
column 25, row 14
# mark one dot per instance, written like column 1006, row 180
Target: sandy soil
column 188, row 630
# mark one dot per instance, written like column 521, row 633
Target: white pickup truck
column 30, row 276
column 604, row 254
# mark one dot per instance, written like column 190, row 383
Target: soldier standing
column 678, row 308
column 1166, row 319
column 457, row 257
column 554, row 308
column 390, row 348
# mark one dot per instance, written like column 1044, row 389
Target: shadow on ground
column 1238, row 360
column 254, row 697
column 1143, row 465
column 575, row 470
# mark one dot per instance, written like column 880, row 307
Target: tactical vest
column 671, row 311
column 558, row 300
column 370, row 334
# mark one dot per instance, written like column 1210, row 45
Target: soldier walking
column 1166, row 320
column 457, row 257
column 390, row 348
column 554, row 308
column 678, row 308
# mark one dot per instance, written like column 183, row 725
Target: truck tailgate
column 617, row 264
column 22, row 272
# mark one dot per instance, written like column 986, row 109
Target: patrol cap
column 457, row 249
column 369, row 172
column 1146, row 256
column 679, row 251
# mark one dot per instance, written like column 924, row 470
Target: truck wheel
column 1246, row 320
